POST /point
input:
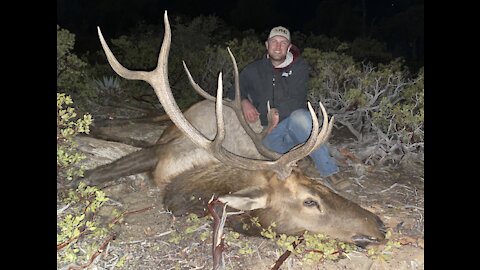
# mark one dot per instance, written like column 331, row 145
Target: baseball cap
column 280, row 31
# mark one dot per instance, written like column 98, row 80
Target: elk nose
column 363, row 240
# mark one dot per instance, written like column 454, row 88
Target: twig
column 133, row 242
column 387, row 189
column 98, row 252
column 164, row 233
column 114, row 263
column 67, row 242
column 59, row 211
column 357, row 180
column 115, row 220
column 285, row 255
column 218, row 236
column 413, row 206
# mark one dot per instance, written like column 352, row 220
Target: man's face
column 277, row 47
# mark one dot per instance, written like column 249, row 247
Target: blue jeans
column 295, row 130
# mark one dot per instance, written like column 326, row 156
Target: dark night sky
column 339, row 18
column 75, row 12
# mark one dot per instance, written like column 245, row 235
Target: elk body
column 212, row 151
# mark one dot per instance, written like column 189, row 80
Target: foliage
column 383, row 252
column 381, row 105
column 360, row 49
column 246, row 50
column 320, row 42
column 197, row 42
column 71, row 70
column 199, row 32
column 330, row 70
column 68, row 126
column 232, row 238
column 137, row 51
column 111, row 91
column 218, row 60
column 369, row 50
column 311, row 248
column 194, row 224
column 407, row 115
column 81, row 230
column 314, row 248
column 108, row 85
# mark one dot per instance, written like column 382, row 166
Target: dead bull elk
column 202, row 154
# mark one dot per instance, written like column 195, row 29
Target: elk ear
column 246, row 199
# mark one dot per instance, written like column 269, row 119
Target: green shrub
column 72, row 72
column 406, row 115
column 68, row 126
column 369, row 50
column 81, row 230
column 330, row 72
column 380, row 104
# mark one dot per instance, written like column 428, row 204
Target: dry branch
column 218, row 235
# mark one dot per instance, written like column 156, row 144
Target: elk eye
column 310, row 203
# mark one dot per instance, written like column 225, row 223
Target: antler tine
column 236, row 79
column 117, row 67
column 324, row 133
column 199, row 89
column 219, row 112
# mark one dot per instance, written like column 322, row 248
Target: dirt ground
column 152, row 238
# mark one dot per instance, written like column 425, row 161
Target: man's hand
column 249, row 112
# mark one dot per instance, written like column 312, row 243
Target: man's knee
column 301, row 118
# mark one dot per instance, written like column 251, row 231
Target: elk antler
column 158, row 79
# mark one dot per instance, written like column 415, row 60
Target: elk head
column 272, row 189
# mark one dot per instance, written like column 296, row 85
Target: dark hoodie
column 286, row 88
